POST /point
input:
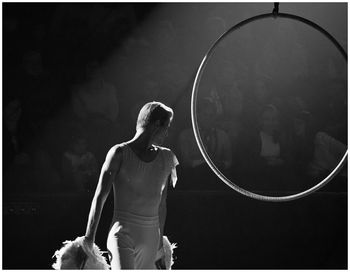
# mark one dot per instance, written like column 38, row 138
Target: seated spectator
column 270, row 141
column 301, row 146
column 12, row 115
column 254, row 103
column 264, row 153
column 27, row 165
column 230, row 121
column 96, row 100
column 79, row 167
column 327, row 154
column 96, row 104
column 217, row 145
column 16, row 160
column 45, row 175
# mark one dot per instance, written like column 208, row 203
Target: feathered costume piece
column 77, row 255
column 167, row 251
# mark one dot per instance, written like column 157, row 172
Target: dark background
column 151, row 51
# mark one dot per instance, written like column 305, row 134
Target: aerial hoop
column 274, row 14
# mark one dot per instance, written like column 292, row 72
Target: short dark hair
column 152, row 112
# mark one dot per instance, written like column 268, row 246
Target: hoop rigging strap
column 276, row 8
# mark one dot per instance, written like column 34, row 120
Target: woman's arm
column 108, row 172
column 162, row 213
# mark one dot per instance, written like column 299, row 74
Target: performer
column 139, row 171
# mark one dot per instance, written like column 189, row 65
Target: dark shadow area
column 213, row 230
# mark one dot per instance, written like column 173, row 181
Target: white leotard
column 134, row 236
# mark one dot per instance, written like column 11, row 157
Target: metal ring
column 194, row 111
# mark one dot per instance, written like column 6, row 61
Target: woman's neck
column 142, row 140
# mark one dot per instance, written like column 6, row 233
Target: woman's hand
column 88, row 242
column 160, row 259
column 160, row 263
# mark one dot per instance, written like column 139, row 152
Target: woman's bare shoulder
column 114, row 156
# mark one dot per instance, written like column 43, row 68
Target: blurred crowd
column 60, row 115
column 261, row 142
column 63, row 111
column 266, row 143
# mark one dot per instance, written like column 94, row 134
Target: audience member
column 45, row 174
column 96, row 105
column 79, row 167
column 12, row 114
column 215, row 26
column 270, row 137
column 28, row 166
column 14, row 156
column 264, row 153
column 301, row 142
column 230, row 120
column 96, row 99
column 216, row 142
column 336, row 124
column 165, row 38
column 327, row 154
column 254, row 103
